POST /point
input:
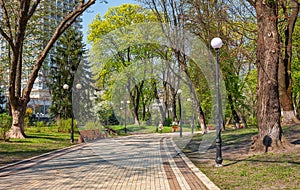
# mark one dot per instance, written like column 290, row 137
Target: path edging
column 41, row 155
column 206, row 181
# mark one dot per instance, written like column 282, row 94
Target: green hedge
column 5, row 124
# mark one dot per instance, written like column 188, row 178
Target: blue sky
column 99, row 8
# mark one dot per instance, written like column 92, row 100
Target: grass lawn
column 39, row 141
column 243, row 171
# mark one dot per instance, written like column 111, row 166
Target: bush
column 28, row 115
column 64, row 125
column 5, row 124
column 26, row 122
column 39, row 126
column 167, row 122
column 92, row 125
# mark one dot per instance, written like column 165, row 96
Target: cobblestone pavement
column 135, row 162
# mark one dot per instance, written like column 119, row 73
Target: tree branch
column 252, row 2
column 16, row 77
column 8, row 36
column 64, row 24
column 33, row 9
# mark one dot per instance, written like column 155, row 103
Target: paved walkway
column 138, row 162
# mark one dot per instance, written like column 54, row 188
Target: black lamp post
column 217, row 43
column 180, row 111
column 125, row 102
column 66, row 87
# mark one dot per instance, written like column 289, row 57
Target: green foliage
column 117, row 17
column 202, row 89
column 5, row 124
column 64, row 125
column 250, row 95
column 39, row 126
column 27, row 120
column 295, row 67
column 92, row 125
column 69, row 54
column 167, row 122
column 110, row 70
column 105, row 111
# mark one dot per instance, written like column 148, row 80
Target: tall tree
column 296, row 69
column 234, row 23
column 69, row 53
column 173, row 13
column 289, row 14
column 270, row 136
column 14, row 29
column 116, row 18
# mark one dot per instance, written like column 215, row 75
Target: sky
column 99, row 8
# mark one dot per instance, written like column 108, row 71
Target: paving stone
column 131, row 163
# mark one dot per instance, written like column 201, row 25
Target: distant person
column 174, row 125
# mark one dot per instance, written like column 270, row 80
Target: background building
column 44, row 22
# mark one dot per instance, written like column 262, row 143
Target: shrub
column 92, row 125
column 28, row 114
column 64, row 125
column 26, row 122
column 167, row 122
column 5, row 124
column 39, row 126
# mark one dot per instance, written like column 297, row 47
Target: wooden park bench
column 92, row 134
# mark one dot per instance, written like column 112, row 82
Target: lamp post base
column 218, row 165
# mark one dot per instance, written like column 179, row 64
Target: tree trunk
column 160, row 104
column 285, row 95
column 297, row 104
column 136, row 120
column 235, row 115
column 135, row 104
column 236, row 118
column 202, row 121
column 284, row 74
column 17, row 128
column 173, row 103
column 243, row 120
column 228, row 121
column 270, row 135
column 196, row 103
column 197, row 106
